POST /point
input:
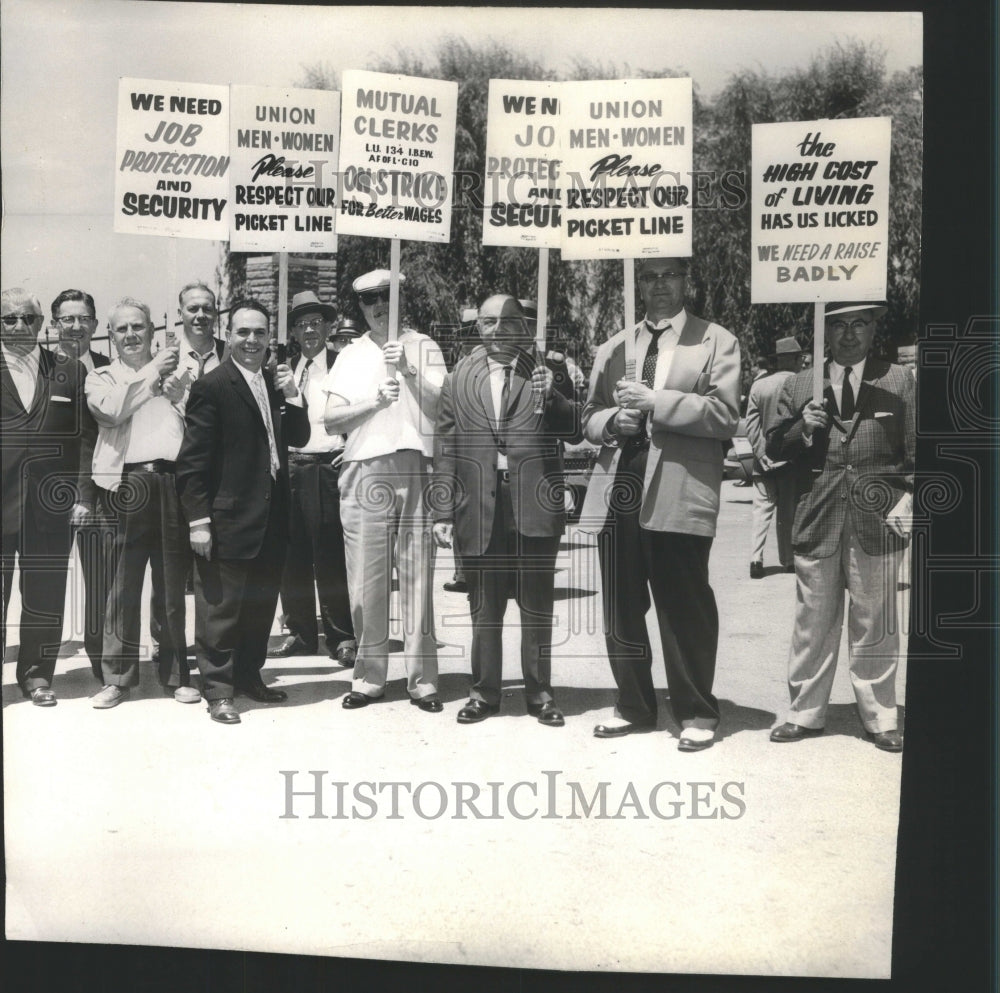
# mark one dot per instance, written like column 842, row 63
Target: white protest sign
column 172, row 162
column 819, row 225
column 283, row 179
column 397, row 153
column 522, row 196
column 626, row 168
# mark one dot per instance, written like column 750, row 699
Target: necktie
column 652, row 354
column 201, row 358
column 847, row 397
column 304, row 382
column 260, row 395
column 504, row 412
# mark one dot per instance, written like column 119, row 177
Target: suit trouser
column 235, row 600
column 873, row 633
column 773, row 494
column 674, row 567
column 95, row 543
column 151, row 530
column 530, row 564
column 43, row 562
column 316, row 561
column 383, row 511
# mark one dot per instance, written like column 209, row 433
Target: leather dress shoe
column 262, row 693
column 620, row 730
column 40, row 696
column 223, row 711
column 292, row 645
column 696, row 739
column 756, row 570
column 346, row 655
column 887, row 741
column 794, row 732
column 429, row 703
column 477, row 710
column 547, row 713
column 355, row 700
column 456, row 586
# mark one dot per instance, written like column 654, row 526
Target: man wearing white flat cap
column 383, row 395
column 853, row 457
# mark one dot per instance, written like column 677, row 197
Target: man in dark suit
column 315, row 561
column 46, row 446
column 232, row 478
column 501, row 464
column 74, row 319
column 853, row 456
column 653, row 500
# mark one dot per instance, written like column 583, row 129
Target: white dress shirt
column 24, row 372
column 496, row 388
column 837, row 381
column 315, row 399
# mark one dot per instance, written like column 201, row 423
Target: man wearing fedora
column 315, row 560
column 852, row 454
column 774, row 487
column 383, row 395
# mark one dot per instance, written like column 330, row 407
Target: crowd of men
column 217, row 461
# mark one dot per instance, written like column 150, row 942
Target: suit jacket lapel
column 11, row 398
column 690, row 358
column 520, row 377
column 483, row 388
column 46, row 367
column 242, row 388
column 866, row 394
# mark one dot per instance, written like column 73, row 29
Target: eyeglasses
column 312, row 322
column 10, row 320
column 370, row 297
column 71, row 321
column 856, row 326
column 654, row 277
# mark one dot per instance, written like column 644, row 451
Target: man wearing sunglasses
column 315, row 560
column 46, row 447
column 383, row 395
column 74, row 320
column 853, row 457
column 654, row 500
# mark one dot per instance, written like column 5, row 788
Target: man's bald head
column 502, row 326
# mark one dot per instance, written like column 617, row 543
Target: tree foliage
column 848, row 79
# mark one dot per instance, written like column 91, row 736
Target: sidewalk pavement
column 502, row 843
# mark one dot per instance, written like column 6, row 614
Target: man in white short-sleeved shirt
column 383, row 395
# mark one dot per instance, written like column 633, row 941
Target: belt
column 503, row 475
column 310, row 458
column 156, row 465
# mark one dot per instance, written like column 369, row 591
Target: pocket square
column 883, row 413
column 61, row 399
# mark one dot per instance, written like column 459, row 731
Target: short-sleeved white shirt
column 356, row 376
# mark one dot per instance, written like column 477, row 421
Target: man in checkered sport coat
column 853, row 459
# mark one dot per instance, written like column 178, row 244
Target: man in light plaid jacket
column 853, row 456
